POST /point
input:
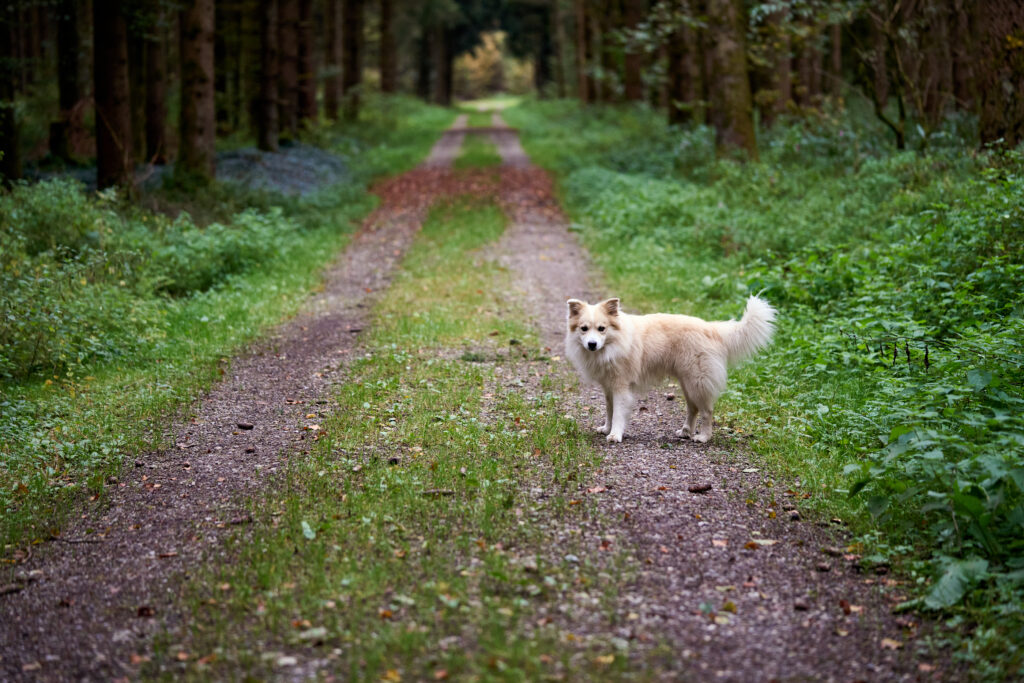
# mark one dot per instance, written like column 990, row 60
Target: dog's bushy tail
column 751, row 333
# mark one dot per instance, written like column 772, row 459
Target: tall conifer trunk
column 352, row 67
column 388, row 50
column 307, row 62
column 288, row 65
column 267, row 129
column 196, row 155
column 156, row 91
column 731, row 106
column 114, row 159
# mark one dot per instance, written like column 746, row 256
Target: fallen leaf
column 182, row 656
column 842, row 633
column 604, row 659
column 729, row 606
column 722, row 620
column 440, row 675
column 596, row 489
column 719, row 542
column 385, row 614
column 891, row 644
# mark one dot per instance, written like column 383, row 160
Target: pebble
column 245, row 425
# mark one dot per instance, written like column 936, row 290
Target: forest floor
column 644, row 560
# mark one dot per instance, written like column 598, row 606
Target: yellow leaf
column 391, row 675
column 890, row 644
column 605, row 659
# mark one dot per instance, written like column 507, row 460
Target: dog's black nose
column 592, row 345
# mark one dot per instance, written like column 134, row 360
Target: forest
column 282, row 306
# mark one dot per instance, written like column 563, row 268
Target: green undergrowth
column 893, row 392
column 116, row 316
column 407, row 544
column 478, row 151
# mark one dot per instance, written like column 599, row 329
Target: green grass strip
column 478, row 152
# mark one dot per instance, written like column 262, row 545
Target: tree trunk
column 808, row 90
column 423, row 65
column 781, row 64
column 542, row 60
column 557, row 30
column 731, row 108
column 267, row 130
column 835, row 62
column 440, row 61
column 307, row 62
column 352, row 66
column 114, row 158
column 197, row 154
column 288, row 80
column 10, row 148
column 1000, row 71
column 66, row 133
column 684, row 89
column 633, row 62
column 332, row 59
column 937, row 69
column 962, row 47
column 137, row 90
column 879, row 65
column 156, row 91
column 583, row 90
column 388, row 50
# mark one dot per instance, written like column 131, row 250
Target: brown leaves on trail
column 521, row 191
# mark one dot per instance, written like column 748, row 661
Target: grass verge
column 408, row 544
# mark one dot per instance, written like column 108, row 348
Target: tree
column 731, row 107
column 267, row 130
column 197, row 153
column 684, row 73
column 114, row 158
column 332, row 58
column 306, row 62
column 10, row 152
column 156, row 89
column 633, row 62
column 67, row 130
column 352, row 40
column 288, row 66
column 1000, row 71
column 388, row 51
column 583, row 89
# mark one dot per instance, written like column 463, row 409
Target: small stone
column 699, row 488
column 287, row 661
column 794, row 515
column 832, row 551
column 572, row 558
column 138, row 463
column 670, row 397
column 801, row 605
column 823, row 567
column 245, row 425
column 250, row 449
column 393, row 460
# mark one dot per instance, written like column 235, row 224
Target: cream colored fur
column 627, row 354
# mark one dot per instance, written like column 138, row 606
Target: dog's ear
column 575, row 307
column 611, row 306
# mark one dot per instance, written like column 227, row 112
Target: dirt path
column 726, row 585
column 85, row 602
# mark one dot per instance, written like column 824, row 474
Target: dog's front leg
column 609, row 406
column 622, row 401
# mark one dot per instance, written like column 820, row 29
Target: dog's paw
column 605, row 428
column 614, row 438
column 701, row 438
column 683, row 433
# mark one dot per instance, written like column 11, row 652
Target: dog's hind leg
column 622, row 401
column 609, row 406
column 690, row 428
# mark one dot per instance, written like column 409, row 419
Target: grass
column 478, row 151
column 67, row 430
column 407, row 545
column 861, row 247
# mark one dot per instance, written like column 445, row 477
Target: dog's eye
column 601, row 329
column 584, row 328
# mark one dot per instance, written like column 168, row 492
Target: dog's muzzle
column 592, row 345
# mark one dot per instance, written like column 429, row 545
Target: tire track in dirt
column 725, row 586
column 85, row 605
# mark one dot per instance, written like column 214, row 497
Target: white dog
column 626, row 354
